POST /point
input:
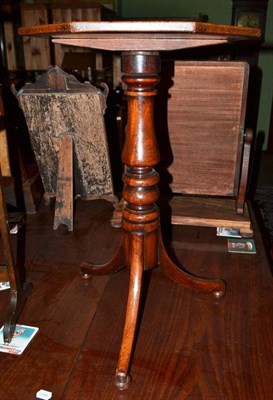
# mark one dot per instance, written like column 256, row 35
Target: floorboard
column 189, row 345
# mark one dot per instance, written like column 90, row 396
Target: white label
column 43, row 394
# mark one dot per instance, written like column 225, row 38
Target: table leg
column 172, row 271
column 136, row 273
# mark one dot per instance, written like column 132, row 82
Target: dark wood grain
column 188, row 347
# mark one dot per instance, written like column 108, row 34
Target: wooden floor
column 189, row 346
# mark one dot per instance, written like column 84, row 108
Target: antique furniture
column 9, row 272
column 142, row 247
column 69, row 140
column 205, row 147
column 22, row 178
column 23, row 181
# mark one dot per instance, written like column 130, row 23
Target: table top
column 141, row 35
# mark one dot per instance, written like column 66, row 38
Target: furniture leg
column 18, row 293
column 240, row 201
column 64, row 191
column 172, row 271
column 136, row 273
column 18, row 298
column 110, row 267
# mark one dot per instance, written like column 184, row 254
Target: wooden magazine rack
column 206, row 153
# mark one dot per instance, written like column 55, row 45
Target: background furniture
column 205, row 147
column 66, row 126
column 24, row 58
column 22, row 180
column 9, row 271
column 38, row 53
column 250, row 13
column 12, row 269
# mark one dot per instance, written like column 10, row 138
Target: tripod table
column 140, row 44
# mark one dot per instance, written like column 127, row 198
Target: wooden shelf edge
column 196, row 214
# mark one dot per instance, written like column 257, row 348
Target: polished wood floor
column 189, row 345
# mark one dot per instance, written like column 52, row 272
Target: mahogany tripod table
column 142, row 247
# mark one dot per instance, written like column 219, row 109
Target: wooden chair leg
column 8, row 273
column 240, row 201
column 136, row 272
column 64, row 192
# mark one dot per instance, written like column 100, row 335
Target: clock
column 250, row 19
column 250, row 13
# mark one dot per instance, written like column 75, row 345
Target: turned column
column 140, row 152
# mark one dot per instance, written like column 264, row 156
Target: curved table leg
column 172, row 271
column 136, row 272
column 110, row 267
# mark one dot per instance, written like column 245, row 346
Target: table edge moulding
column 142, row 246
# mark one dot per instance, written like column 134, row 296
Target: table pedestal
column 142, row 246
